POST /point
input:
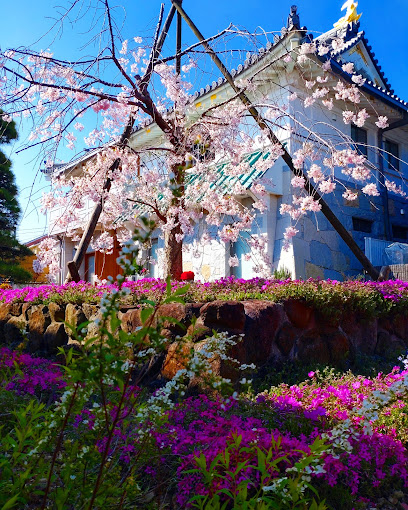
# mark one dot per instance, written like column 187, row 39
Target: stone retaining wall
column 290, row 330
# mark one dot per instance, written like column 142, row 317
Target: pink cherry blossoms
column 187, row 160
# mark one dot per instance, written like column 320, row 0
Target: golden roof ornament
column 351, row 15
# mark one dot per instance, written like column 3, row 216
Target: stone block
column 206, row 272
column 177, row 358
column 187, row 266
column 310, row 231
column 224, row 315
column 286, row 338
column 329, row 274
column 299, row 313
column 16, row 309
column 5, row 315
column 389, row 345
column 262, row 322
column 55, row 336
column 281, row 225
column 398, row 325
column 301, row 249
column 362, row 334
column 199, row 331
column 176, row 311
column 57, row 312
column 321, row 221
column 339, row 345
column 25, row 311
column 74, row 316
column 221, row 367
column 131, row 320
column 13, row 330
column 312, row 347
column 38, row 322
column 340, row 261
column 192, row 310
column 179, row 353
column 313, row 271
column 320, row 254
column 329, row 238
column 90, row 310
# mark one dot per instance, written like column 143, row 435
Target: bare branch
column 191, row 48
column 154, row 208
column 114, row 57
column 157, row 47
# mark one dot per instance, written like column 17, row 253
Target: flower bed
column 320, row 433
column 328, row 296
column 29, row 375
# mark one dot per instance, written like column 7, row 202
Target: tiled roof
column 377, row 66
column 225, row 183
column 353, row 36
column 352, row 40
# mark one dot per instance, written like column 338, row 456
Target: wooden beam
column 73, row 269
column 326, row 210
column 178, row 43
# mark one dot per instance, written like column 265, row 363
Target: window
column 242, row 251
column 89, row 267
column 362, row 225
column 359, row 136
column 399, row 232
column 153, row 267
column 391, row 155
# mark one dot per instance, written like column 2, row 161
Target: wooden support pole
column 73, row 271
column 178, row 43
column 326, row 210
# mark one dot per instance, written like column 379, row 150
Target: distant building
column 27, row 262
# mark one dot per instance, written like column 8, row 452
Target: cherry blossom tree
column 131, row 87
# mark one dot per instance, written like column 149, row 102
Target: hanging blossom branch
column 180, row 185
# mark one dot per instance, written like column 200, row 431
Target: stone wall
column 284, row 331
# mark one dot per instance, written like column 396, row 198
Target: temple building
column 316, row 250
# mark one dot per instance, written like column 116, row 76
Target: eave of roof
column 36, row 241
column 353, row 41
column 371, row 88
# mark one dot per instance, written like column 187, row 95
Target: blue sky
column 24, row 23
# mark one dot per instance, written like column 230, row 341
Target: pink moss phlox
column 393, row 291
column 202, row 426
column 33, row 374
column 335, row 399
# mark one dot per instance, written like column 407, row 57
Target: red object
column 187, row 275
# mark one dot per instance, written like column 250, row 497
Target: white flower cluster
column 198, row 365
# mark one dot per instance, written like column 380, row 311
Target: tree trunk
column 173, row 254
